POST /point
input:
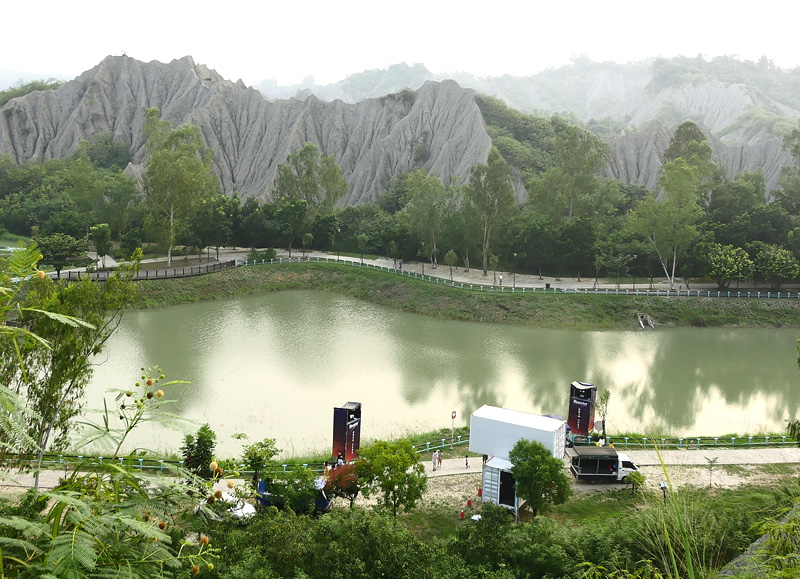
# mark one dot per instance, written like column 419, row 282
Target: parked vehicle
column 600, row 464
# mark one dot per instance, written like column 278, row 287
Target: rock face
column 636, row 157
column 438, row 127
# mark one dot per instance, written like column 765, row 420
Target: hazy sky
column 289, row 40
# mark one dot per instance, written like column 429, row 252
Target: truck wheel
column 624, row 480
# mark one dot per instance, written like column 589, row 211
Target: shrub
column 198, row 451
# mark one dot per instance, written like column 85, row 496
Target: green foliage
column 211, row 221
column 727, row 263
column 313, row 178
column 670, row 223
column 525, row 141
column 29, row 87
column 178, row 171
column 450, row 258
column 101, row 235
column 776, row 265
column 198, row 451
column 265, row 255
column 636, row 480
column 52, row 379
column 60, row 250
column 133, row 407
column 540, row 476
column 362, row 241
column 491, row 196
column 392, row 470
column 259, row 455
column 106, row 151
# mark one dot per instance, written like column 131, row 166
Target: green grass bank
column 582, row 312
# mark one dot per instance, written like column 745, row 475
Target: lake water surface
column 276, row 365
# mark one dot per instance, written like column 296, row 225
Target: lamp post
column 338, row 231
column 634, row 272
column 423, row 259
column 664, row 490
column 513, row 270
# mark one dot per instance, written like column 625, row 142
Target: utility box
column 494, row 431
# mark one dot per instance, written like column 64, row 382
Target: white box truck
column 494, row 431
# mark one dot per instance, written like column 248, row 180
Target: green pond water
column 276, row 366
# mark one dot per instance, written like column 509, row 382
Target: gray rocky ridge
column 249, row 135
column 437, row 127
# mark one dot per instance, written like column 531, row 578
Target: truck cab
column 600, row 464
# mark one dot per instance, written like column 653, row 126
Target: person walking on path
column 439, row 458
column 501, row 280
column 434, row 459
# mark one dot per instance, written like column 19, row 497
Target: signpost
column 452, row 429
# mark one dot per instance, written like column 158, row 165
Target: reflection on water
column 276, row 365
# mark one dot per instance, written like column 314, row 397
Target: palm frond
column 22, row 262
column 68, row 320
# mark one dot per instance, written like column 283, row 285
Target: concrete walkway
column 506, row 279
column 11, row 482
column 783, row 455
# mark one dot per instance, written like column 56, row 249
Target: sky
column 289, row 41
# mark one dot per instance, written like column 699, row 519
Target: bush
column 265, row 255
column 198, row 451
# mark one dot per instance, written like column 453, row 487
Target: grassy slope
column 439, row 301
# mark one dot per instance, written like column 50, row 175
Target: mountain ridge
column 437, row 127
column 249, row 135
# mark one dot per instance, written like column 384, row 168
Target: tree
column 318, row 182
column 670, row 224
column 491, row 195
column 726, row 263
column 210, row 223
column 292, row 213
column 540, row 476
column 198, row 451
column 53, row 378
column 602, row 407
column 393, row 470
column 61, row 250
column 425, row 208
column 178, row 171
column 343, row 481
column 450, row 258
column 776, row 265
column 95, row 522
column 681, row 140
column 307, row 239
column 362, row 240
column 572, row 187
column 259, row 455
column 101, row 234
column 106, row 151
